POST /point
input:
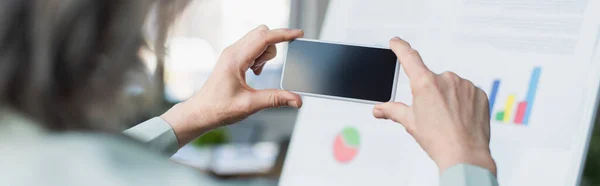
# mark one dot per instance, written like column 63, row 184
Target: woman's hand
column 449, row 117
column 225, row 97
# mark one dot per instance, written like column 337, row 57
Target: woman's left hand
column 225, row 97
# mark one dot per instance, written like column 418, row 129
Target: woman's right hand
column 226, row 98
column 449, row 117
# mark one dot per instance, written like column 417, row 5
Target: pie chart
column 346, row 145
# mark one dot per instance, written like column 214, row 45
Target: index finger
column 409, row 58
column 260, row 38
column 280, row 35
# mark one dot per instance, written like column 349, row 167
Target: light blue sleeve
column 467, row 175
column 157, row 133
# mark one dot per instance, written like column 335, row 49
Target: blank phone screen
column 338, row 70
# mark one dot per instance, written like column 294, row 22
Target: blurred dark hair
column 63, row 63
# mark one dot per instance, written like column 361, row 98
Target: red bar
column 520, row 112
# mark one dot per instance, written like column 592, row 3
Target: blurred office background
column 252, row 152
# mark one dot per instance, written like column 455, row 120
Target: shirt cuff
column 467, row 175
column 157, row 134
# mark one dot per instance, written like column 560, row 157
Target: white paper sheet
column 483, row 41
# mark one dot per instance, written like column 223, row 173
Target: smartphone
column 348, row 72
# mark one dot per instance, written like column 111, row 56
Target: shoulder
column 89, row 159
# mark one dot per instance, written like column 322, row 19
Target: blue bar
column 533, row 84
column 493, row 94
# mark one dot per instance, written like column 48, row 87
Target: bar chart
column 513, row 111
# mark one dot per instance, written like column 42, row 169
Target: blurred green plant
column 214, row 137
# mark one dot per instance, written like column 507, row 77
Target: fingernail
column 396, row 38
column 378, row 113
column 298, row 30
column 292, row 104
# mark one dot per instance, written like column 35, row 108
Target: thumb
column 395, row 111
column 273, row 98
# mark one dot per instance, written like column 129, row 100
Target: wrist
column 185, row 123
column 481, row 159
